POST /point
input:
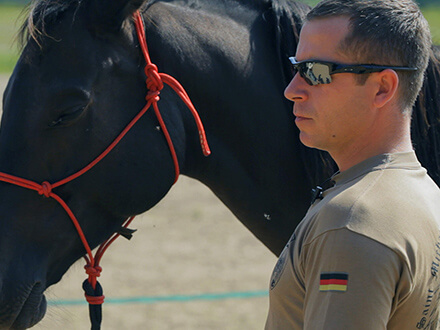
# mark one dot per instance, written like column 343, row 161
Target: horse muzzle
column 23, row 307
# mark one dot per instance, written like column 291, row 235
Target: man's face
column 331, row 116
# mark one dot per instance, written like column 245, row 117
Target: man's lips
column 299, row 118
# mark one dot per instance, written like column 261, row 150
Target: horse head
column 77, row 84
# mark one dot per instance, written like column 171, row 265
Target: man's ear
column 387, row 85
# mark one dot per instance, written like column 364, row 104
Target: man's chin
column 306, row 140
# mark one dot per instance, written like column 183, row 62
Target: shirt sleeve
column 350, row 281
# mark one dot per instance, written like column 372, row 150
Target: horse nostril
column 24, row 305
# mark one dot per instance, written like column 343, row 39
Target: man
column 367, row 253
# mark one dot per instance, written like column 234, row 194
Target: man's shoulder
column 389, row 206
column 391, row 195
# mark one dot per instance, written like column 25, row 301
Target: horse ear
column 109, row 15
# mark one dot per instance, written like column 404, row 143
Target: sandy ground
column 189, row 244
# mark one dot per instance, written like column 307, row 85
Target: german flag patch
column 333, row 282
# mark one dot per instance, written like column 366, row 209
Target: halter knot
column 153, row 96
column 45, row 189
column 154, row 81
column 95, row 297
column 93, row 271
column 92, row 300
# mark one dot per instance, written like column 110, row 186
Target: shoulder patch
column 333, row 282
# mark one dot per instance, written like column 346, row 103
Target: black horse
column 80, row 80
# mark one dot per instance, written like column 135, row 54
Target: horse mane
column 425, row 127
column 41, row 13
column 288, row 20
column 289, row 17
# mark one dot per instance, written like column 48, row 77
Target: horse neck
column 236, row 84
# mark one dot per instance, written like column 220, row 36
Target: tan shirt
column 367, row 256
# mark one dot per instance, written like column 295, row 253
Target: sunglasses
column 318, row 72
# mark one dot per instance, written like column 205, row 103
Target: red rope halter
column 155, row 83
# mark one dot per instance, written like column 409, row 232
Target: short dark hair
column 384, row 32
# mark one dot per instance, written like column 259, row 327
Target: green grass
column 11, row 19
column 432, row 14
column 311, row 3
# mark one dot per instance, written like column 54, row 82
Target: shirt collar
column 403, row 160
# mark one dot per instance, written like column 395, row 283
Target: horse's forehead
column 71, row 50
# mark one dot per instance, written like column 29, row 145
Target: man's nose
column 296, row 91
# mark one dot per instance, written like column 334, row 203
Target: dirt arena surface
column 188, row 245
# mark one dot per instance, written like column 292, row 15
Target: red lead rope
column 155, row 81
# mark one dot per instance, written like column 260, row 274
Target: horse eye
column 69, row 117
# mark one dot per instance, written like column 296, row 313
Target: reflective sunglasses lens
column 317, row 73
column 300, row 68
column 302, row 73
